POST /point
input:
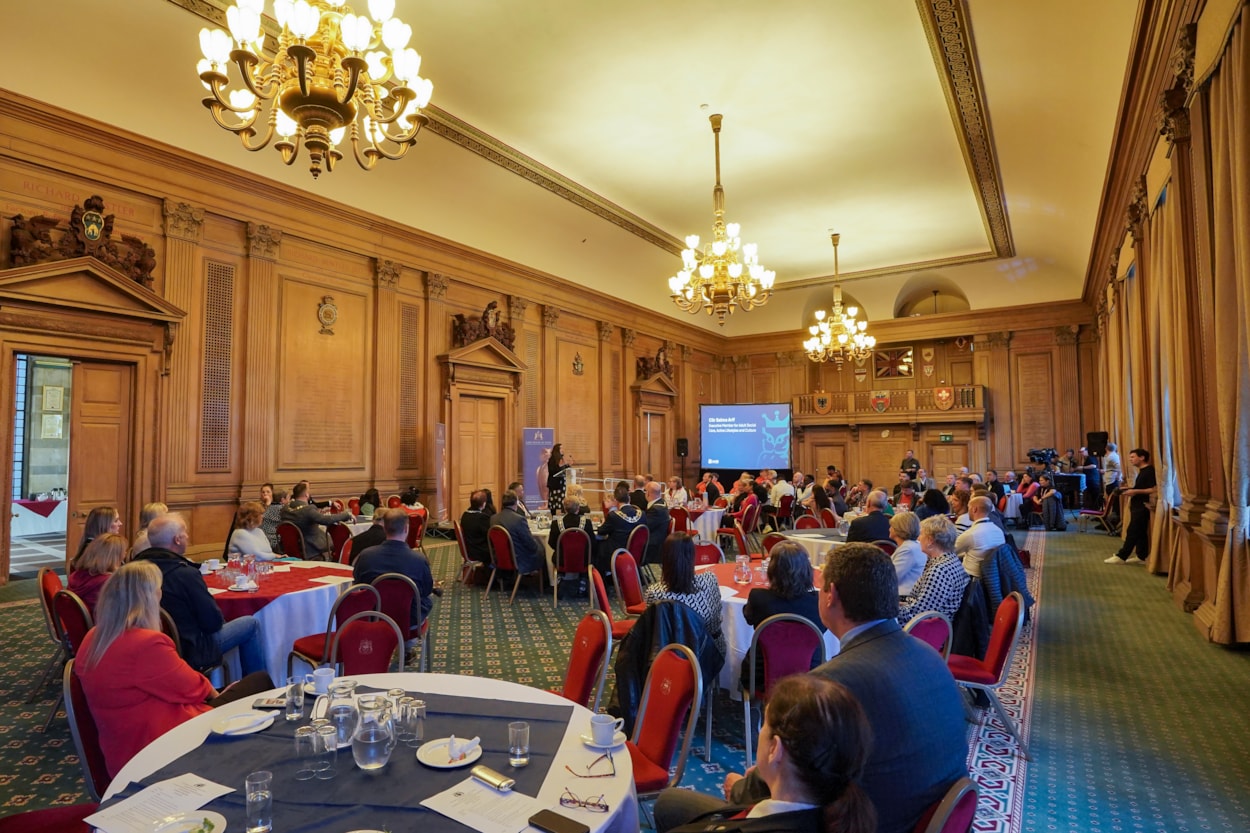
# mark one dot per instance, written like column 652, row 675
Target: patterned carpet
column 1153, row 761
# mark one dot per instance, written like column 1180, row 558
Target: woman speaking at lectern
column 557, row 471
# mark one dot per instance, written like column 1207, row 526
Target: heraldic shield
column 880, row 401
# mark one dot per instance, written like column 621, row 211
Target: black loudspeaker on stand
column 683, row 451
column 1096, row 443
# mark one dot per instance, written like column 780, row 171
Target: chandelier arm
column 217, row 109
column 303, row 55
column 289, row 149
column 264, row 143
column 369, row 157
column 403, row 95
column 250, row 67
column 354, row 66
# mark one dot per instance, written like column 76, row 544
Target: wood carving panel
column 577, row 398
column 1033, row 401
column 322, row 400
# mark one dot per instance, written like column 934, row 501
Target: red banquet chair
column 785, row 511
column 604, row 605
column 72, row 621
column 315, row 649
column 49, row 586
column 706, row 552
column 339, row 535
column 628, row 585
column 771, row 540
column 679, row 519
column 672, row 695
column 86, row 735
column 828, row 518
column 416, row 528
column 885, row 545
column 782, row 645
column 807, row 522
column 954, row 813
column 502, row 557
column 398, row 593
column 588, row 660
column 990, row 674
column 572, row 556
column 468, row 567
column 393, row 502
column 934, row 629
column 291, row 539
column 366, row 644
column 353, row 506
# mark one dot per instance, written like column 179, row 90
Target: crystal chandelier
column 726, row 273
column 328, row 77
column 840, row 338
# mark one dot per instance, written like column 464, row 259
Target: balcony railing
column 958, row 403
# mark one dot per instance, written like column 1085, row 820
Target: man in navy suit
column 919, row 735
column 873, row 525
column 656, row 518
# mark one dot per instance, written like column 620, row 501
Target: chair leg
column 515, row 585
column 746, row 726
column 56, row 707
column 56, row 662
column 707, row 739
column 1008, row 723
column 491, row 581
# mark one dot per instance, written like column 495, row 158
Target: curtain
column 1227, row 104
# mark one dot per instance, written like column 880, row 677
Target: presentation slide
column 747, row 437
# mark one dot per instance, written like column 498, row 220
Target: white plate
column 434, row 754
column 231, row 725
column 192, row 820
column 617, row 739
column 245, row 589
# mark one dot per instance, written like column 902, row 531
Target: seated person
column 100, row 520
column 474, row 526
column 149, row 513
column 789, row 590
column 680, row 583
column 958, row 501
column 525, row 547
column 411, row 499
column 997, row 489
column 933, row 503
column 371, row 537
column 204, row 632
column 859, row 493
column 89, row 571
column 248, row 538
column 656, row 517
column 982, row 538
column 272, row 517
column 908, row 558
column 904, row 479
column 136, row 685
column 906, row 498
column 1029, row 504
column 620, row 519
column 813, row 746
column 302, row 512
column 573, row 518
column 395, row 556
column 370, row 502
column 675, row 494
column 942, row 583
column 1051, row 502
column 874, row 524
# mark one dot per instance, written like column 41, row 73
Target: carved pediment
column 485, row 353
column 85, row 284
column 657, row 383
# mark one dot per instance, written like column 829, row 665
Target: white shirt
column 780, row 489
column 1113, row 470
column 909, row 561
column 977, row 542
column 677, row 498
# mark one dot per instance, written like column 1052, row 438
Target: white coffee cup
column 322, row 678
column 603, row 728
column 213, row 564
column 240, row 581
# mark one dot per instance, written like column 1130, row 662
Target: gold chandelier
column 840, row 338
column 328, row 78
column 726, row 273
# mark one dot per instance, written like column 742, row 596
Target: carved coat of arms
column 880, row 401
column 944, row 398
column 822, row 403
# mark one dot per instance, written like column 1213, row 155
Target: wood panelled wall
column 259, row 389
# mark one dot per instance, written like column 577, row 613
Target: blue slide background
column 745, row 436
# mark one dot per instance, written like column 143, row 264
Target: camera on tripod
column 1045, row 456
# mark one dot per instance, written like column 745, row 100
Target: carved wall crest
column 89, row 233
column 327, row 315
column 467, row 330
column 579, row 367
column 648, row 367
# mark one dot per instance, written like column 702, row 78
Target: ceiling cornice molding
column 466, row 136
column 947, row 27
column 917, row 266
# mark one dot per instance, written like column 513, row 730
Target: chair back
column 49, row 586
column 393, row 502
column 86, row 735
column 171, row 630
column 416, row 528
column 600, row 594
column 784, row 644
column 785, row 508
column 345, row 552
column 637, row 543
column 807, row 522
column 359, row 598
column 573, row 551
column 500, row 541
column 353, row 506
column 336, row 505
column 339, row 534
column 934, row 629
column 73, row 619
column 721, row 502
column 673, row 692
column 625, row 574
column 460, row 544
column 365, row 644
column 588, row 659
column 708, row 552
column 751, row 518
column 771, row 540
column 292, row 539
column 954, row 813
column 679, row 518
column 1003, row 637
column 398, row 592
column 740, row 536
column 828, row 518
column 885, row 545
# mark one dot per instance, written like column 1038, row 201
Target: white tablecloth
column 817, row 542
column 291, row 616
column 707, row 523
column 1014, row 500
column 618, row 791
column 24, row 522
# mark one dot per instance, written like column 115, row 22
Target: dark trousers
column 249, row 686
column 1138, row 535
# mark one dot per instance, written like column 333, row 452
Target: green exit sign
column 946, row 438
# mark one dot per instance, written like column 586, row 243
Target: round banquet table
column 817, row 542
column 707, row 521
column 288, row 605
column 738, row 634
column 353, row 798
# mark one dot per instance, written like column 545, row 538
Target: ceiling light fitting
column 329, row 77
column 840, row 338
column 726, row 273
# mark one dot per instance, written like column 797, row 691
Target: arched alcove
column 927, row 293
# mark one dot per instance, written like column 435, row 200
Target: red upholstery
column 828, row 518
column 787, row 648
column 339, row 534
column 49, row 586
column 680, row 518
column 416, row 528
column 933, row 629
column 705, row 552
column 393, row 502
column 885, row 545
column 345, row 552
column 85, row 734
column 291, row 538
column 467, row 565
column 807, row 522
column 721, row 502
column 336, row 505
column 954, row 813
column 72, row 618
column 573, row 551
column 52, row 820
column 398, row 593
column 991, row 669
column 625, row 572
column 353, row 505
column 771, row 540
column 671, row 691
column 315, row 648
column 619, row 629
column 366, row 643
column 637, row 543
column 785, row 509
column 592, row 642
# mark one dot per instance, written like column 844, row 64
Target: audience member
column 908, row 558
column 370, row 502
column 873, row 525
column 272, row 517
column 1050, row 500
column 933, row 503
column 204, row 632
column 638, row 496
column 149, row 513
column 89, row 571
column 680, row 583
column 519, row 487
column 311, row 522
column 923, row 482
column 950, row 486
column 622, row 518
column 573, row 518
column 395, row 556
column 789, row 590
column 656, row 518
column 266, row 494
column 997, row 489
column 1112, row 470
column 525, row 548
column 942, row 583
column 958, row 501
column 248, row 538
column 676, row 494
column 981, row 539
column 100, row 520
column 371, row 537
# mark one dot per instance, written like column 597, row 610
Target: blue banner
column 535, row 451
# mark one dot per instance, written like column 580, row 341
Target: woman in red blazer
column 137, row 685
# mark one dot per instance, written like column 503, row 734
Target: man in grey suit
column 919, row 735
column 525, row 548
column 311, row 522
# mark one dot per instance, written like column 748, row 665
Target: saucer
column 247, row 588
column 193, row 821
column 227, row 725
column 434, row 754
column 617, row 739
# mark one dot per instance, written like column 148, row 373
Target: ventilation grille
column 616, row 408
column 409, row 330
column 218, row 354
column 531, row 379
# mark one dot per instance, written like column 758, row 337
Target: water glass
column 518, row 744
column 259, row 789
column 295, row 697
column 327, row 749
column 412, row 719
column 307, row 756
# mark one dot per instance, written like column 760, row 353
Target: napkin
column 458, row 750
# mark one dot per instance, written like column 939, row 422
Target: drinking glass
column 519, row 744
column 327, row 749
column 403, row 727
column 415, row 719
column 295, row 697
column 259, row 789
column 307, row 756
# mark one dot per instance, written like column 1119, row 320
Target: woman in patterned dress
column 557, row 471
column 941, row 585
column 680, row 583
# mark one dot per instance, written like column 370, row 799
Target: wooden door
column 99, row 444
column 880, row 457
column 655, row 452
column 948, row 458
column 824, row 454
column 476, row 450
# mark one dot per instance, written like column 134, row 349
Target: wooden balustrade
column 966, row 404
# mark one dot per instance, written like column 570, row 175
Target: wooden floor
column 27, row 555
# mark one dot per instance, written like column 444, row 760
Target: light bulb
column 242, row 100
column 693, row 241
column 304, row 20
column 733, row 229
column 406, row 63
column 336, row 135
column 356, row 32
column 424, row 88
column 396, row 34
column 215, row 44
column 851, row 312
column 244, row 25
column 282, row 11
column 382, row 10
column 749, row 251
column 377, row 66
column 705, row 271
column 718, row 247
column 202, row 67
column 735, row 270
column 285, row 125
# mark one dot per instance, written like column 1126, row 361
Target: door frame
column 82, row 310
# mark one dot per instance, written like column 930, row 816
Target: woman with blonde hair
column 151, row 511
column 136, row 684
column 89, row 571
column 248, row 538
